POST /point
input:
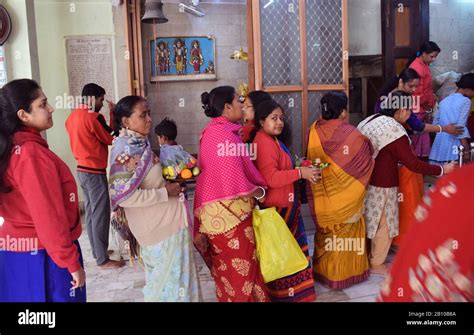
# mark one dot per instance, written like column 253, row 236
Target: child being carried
column 176, row 162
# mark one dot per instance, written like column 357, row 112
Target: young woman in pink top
column 424, row 93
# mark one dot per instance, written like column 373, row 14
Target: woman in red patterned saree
column 224, row 199
column 435, row 262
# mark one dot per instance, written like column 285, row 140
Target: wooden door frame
column 388, row 64
column 255, row 68
column 133, row 39
column 129, row 43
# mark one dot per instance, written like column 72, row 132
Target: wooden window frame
column 255, row 60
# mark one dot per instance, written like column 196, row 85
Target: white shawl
column 382, row 131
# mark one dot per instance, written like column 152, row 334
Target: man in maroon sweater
column 89, row 137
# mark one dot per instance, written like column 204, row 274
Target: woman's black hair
column 256, row 97
column 262, row 111
column 124, row 108
column 466, row 81
column 394, row 102
column 427, row 47
column 214, row 102
column 406, row 75
column 17, row 94
column 333, row 104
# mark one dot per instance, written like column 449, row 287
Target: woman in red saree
column 224, row 200
column 435, row 262
column 274, row 162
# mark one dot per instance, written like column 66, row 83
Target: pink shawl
column 226, row 173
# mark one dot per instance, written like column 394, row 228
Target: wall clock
column 5, row 25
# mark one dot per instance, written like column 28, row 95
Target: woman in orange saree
column 411, row 188
column 337, row 201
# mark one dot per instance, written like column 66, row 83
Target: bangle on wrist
column 263, row 196
column 440, row 129
column 442, row 171
column 300, row 175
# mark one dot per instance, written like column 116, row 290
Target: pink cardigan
column 277, row 169
column 425, row 88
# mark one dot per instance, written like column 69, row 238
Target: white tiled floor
column 125, row 284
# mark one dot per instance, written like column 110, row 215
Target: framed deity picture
column 183, row 58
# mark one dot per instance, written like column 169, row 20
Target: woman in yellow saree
column 337, row 201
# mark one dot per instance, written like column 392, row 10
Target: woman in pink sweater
column 226, row 192
column 424, row 94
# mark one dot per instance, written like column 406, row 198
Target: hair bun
column 205, row 98
column 325, row 112
column 333, row 104
column 206, row 104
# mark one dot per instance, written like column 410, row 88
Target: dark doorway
column 405, row 26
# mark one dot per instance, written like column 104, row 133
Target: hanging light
column 154, row 12
column 240, row 55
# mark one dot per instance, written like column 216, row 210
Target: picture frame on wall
column 182, row 58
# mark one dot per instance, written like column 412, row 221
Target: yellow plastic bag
column 278, row 252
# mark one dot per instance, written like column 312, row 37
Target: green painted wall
column 56, row 20
column 17, row 48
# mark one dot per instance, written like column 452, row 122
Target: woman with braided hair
column 40, row 257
